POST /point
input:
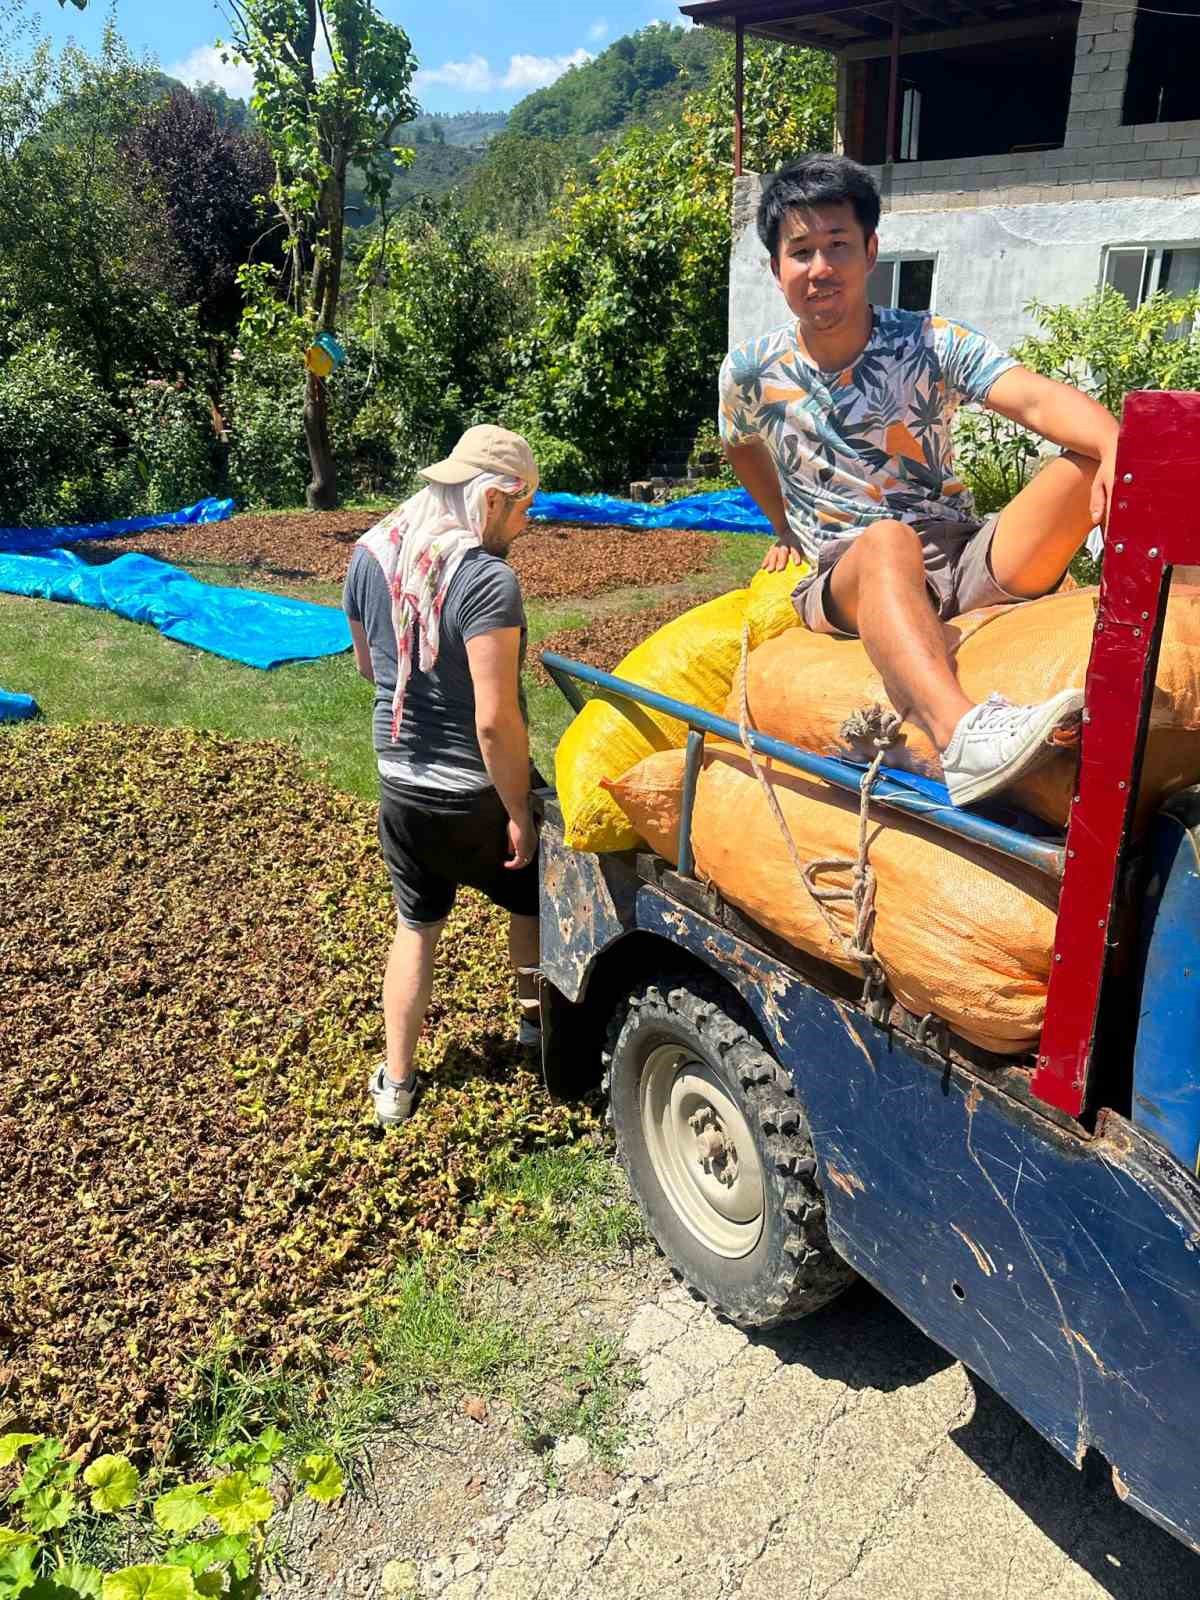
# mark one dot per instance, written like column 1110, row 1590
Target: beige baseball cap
column 486, row 449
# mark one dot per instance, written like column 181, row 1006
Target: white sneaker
column 996, row 743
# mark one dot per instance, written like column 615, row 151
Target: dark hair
column 817, row 181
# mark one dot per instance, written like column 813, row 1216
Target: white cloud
column 204, row 65
column 599, row 30
column 475, row 74
column 536, row 72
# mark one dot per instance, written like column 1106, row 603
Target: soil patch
column 556, row 563
column 191, row 940
column 552, row 562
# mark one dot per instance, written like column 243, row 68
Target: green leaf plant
column 331, row 91
column 208, row 1538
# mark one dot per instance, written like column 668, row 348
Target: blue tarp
column 726, row 511
column 244, row 625
column 32, row 540
column 17, row 707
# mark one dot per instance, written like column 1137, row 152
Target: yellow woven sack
column 692, row 658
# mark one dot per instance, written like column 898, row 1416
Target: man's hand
column 1102, row 487
column 522, row 841
column 778, row 556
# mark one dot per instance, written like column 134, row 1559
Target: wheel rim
column 702, row 1151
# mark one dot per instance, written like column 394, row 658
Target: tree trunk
column 322, row 491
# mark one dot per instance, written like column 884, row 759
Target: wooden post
column 893, row 84
column 739, row 97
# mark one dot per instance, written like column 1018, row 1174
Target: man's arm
column 495, row 663
column 1065, row 416
column 756, row 473
column 362, row 650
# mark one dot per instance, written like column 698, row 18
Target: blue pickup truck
column 783, row 1131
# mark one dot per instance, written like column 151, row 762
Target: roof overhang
column 860, row 28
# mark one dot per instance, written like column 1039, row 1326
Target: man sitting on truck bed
column 838, row 424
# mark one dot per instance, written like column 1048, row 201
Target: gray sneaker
column 393, row 1104
column 996, row 743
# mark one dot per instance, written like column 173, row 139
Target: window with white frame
column 904, row 281
column 1139, row 271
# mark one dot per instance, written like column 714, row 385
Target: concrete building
column 1026, row 149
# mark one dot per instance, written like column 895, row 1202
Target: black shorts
column 434, row 841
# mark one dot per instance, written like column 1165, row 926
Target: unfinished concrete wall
column 1008, row 229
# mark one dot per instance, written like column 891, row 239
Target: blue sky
column 473, row 53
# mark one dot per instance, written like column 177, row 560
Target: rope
column 880, row 727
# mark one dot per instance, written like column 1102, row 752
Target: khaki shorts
column 958, row 573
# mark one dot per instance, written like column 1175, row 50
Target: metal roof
column 839, row 25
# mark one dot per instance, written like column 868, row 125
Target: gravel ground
column 846, row 1458
column 553, row 562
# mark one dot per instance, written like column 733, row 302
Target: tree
column 631, row 290
column 212, row 182
column 318, row 127
column 79, row 257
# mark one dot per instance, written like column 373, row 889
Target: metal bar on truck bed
column 1046, row 855
column 691, row 777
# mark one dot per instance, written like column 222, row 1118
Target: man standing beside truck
column 438, row 626
column 838, row 424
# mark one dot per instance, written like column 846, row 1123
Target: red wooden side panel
column 1154, row 524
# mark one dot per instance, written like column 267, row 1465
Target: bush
column 564, row 468
column 1110, row 348
column 171, row 459
column 268, row 460
column 1105, row 347
column 58, row 432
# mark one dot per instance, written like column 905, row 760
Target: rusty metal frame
column 1154, row 524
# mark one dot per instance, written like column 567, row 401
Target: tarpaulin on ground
column 17, row 707
column 261, row 630
column 29, row 540
column 725, row 511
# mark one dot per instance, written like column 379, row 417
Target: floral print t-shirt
column 871, row 442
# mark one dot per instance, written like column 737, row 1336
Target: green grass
column 592, row 1390
column 570, row 1199
column 88, row 666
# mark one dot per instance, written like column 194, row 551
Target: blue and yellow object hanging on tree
column 324, row 355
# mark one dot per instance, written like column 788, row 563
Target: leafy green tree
column 212, row 180
column 514, row 187
column 318, row 128
column 631, row 291
column 80, row 257
column 436, row 303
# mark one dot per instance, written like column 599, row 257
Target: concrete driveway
column 845, row 1459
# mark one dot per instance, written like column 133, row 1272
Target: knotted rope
column 878, row 726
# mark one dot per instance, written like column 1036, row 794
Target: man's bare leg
column 524, row 951
column 407, row 987
column 878, row 591
column 1040, row 532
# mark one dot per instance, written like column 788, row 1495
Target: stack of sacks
column 804, row 687
column 695, row 659
column 974, row 948
column 960, row 932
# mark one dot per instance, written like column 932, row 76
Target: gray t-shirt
column 437, row 746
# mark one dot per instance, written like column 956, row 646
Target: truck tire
column 718, row 1154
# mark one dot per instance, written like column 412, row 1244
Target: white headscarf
column 419, row 546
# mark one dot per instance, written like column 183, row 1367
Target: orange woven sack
column 803, row 686
column 959, row 931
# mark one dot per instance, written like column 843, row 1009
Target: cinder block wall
column 1100, row 158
